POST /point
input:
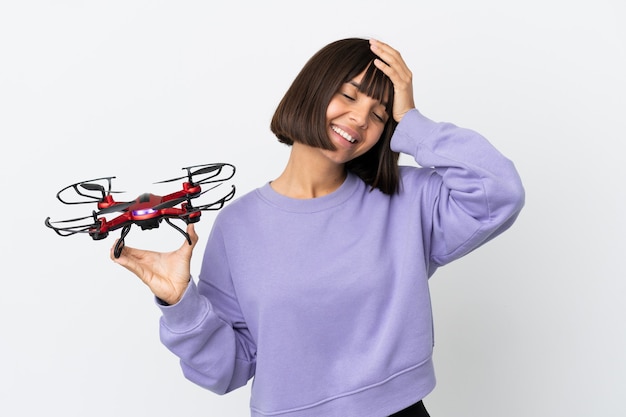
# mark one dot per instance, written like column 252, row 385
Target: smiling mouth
column 343, row 134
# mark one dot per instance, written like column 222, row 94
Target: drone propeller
column 215, row 169
column 176, row 201
column 92, row 187
column 170, row 203
column 116, row 207
column 87, row 191
column 205, row 170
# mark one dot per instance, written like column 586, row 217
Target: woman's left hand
column 166, row 274
column 392, row 64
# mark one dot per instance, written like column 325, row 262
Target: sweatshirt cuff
column 411, row 131
column 188, row 312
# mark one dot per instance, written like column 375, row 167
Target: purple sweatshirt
column 325, row 301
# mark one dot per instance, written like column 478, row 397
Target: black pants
column 416, row 410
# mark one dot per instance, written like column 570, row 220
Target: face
column 354, row 121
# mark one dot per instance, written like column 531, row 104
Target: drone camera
column 149, row 223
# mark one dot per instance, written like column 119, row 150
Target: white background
column 533, row 324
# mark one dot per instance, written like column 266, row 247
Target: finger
column 129, row 257
column 386, row 52
column 390, row 62
column 189, row 245
column 391, row 58
column 126, row 261
column 112, row 252
column 398, row 73
column 125, row 258
column 191, row 231
column 400, row 76
column 124, row 251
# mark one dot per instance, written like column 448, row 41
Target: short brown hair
column 301, row 114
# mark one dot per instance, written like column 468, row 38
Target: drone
column 146, row 211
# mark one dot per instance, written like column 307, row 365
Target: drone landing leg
column 179, row 229
column 120, row 243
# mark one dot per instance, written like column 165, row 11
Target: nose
column 359, row 115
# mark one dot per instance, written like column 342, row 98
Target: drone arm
column 189, row 191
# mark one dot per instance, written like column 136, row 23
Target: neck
column 308, row 174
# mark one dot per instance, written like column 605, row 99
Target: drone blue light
column 143, row 212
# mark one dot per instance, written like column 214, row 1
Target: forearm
column 469, row 165
column 207, row 346
column 476, row 191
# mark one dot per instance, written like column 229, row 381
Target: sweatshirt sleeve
column 473, row 194
column 205, row 329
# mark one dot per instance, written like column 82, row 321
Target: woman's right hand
column 166, row 274
column 393, row 65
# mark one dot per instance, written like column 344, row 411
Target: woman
column 316, row 283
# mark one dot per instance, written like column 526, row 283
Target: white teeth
column 344, row 134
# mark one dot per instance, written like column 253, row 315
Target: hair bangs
column 378, row 86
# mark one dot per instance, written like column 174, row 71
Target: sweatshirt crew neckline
column 310, row 205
